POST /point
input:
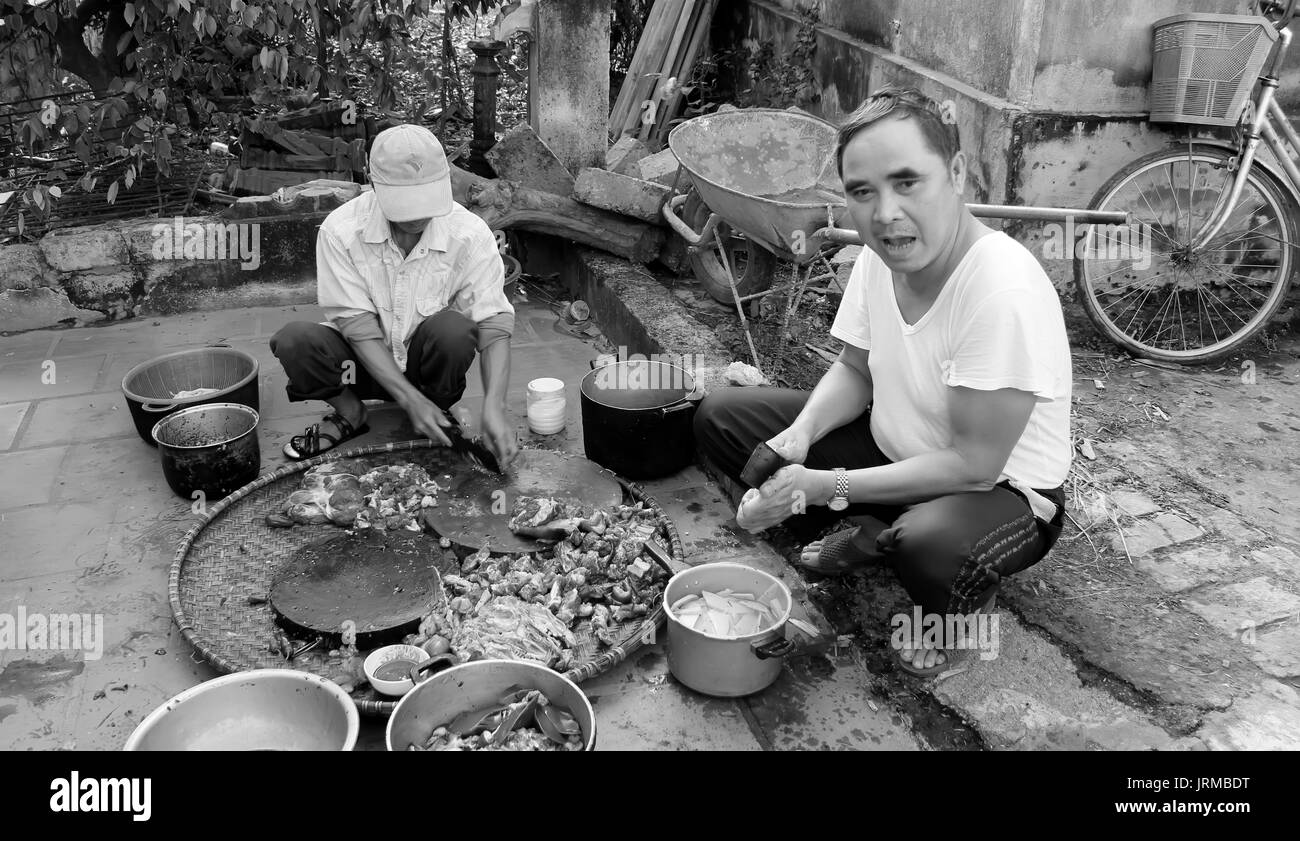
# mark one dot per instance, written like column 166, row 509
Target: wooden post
column 568, row 86
column 485, row 72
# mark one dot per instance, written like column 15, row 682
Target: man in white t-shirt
column 943, row 428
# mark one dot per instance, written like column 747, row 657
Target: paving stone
column 128, row 464
column 29, row 476
column 823, row 703
column 42, row 379
column 35, row 309
column 1279, row 559
column 1134, row 503
column 24, row 347
column 1193, row 567
column 1145, row 536
column 640, row 706
column 87, row 417
column 1277, row 649
column 1268, row 719
column 1256, row 601
column 52, row 539
column 11, row 417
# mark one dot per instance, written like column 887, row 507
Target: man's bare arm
column 425, row 416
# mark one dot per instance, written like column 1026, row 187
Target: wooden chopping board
column 382, row 581
column 477, row 507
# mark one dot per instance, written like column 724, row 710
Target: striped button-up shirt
column 360, row 269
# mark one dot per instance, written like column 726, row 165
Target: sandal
column 309, row 443
column 952, row 657
column 836, row 557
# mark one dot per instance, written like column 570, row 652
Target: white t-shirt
column 997, row 323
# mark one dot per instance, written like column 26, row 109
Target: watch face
column 838, row 503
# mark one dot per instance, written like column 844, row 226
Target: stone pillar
column 568, row 80
column 485, row 72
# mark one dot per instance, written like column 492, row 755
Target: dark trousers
column 320, row 363
column 949, row 553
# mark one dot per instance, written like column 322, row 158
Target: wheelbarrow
column 759, row 177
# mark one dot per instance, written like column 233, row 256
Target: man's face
column 414, row 226
column 905, row 200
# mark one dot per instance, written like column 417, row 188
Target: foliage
column 771, row 76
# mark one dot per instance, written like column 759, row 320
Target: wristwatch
column 840, row 499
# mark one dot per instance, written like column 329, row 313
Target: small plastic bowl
column 382, row 656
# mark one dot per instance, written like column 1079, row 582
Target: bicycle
column 1220, row 223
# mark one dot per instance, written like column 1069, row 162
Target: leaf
column 177, row 71
column 128, row 12
column 56, row 192
column 163, row 148
column 210, row 25
column 20, row 223
column 1099, row 385
column 112, row 192
column 1086, row 450
column 38, row 198
column 129, row 178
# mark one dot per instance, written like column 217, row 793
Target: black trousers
column 320, row 363
column 949, row 553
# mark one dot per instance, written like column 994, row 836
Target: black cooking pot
column 637, row 416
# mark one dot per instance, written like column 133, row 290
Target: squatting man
column 942, row 430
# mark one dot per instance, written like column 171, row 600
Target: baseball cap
column 410, row 174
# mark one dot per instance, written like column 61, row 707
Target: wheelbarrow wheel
column 753, row 264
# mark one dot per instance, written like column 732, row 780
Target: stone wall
column 258, row 252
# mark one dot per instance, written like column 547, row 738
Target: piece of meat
column 511, row 629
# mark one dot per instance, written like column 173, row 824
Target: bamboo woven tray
column 230, row 555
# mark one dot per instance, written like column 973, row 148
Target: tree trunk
column 507, row 204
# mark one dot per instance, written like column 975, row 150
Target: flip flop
column 953, row 657
column 309, row 443
column 836, row 557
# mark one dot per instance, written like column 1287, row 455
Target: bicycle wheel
column 1147, row 290
column 753, row 264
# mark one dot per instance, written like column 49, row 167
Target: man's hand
column 790, row 491
column 792, row 444
column 427, row 418
column 499, row 433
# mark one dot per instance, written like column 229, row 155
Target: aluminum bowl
column 263, row 709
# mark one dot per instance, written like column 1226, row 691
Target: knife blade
column 472, row 448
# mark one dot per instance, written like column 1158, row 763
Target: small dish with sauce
column 389, row 668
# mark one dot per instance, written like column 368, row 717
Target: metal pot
column 211, row 448
column 637, row 417
column 263, row 709
column 478, row 684
column 731, row 667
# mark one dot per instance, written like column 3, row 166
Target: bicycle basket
column 1204, row 66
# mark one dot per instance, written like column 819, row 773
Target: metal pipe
column 848, row 236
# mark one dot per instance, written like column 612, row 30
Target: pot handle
column 683, row 406
column 158, row 407
column 775, row 648
column 432, row 665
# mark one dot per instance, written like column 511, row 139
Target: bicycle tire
column 1281, row 229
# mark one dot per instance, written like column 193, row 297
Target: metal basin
column 211, row 448
column 474, row 685
column 264, row 709
column 770, row 174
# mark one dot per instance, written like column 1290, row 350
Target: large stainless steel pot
column 734, row 666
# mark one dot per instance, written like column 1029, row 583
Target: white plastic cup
column 546, row 405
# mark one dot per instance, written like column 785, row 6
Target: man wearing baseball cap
column 412, row 285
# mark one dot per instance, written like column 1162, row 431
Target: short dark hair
column 939, row 130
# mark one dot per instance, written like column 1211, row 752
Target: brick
column 1146, row 536
column 23, row 267
column 1232, row 606
column 1133, row 503
column 661, row 168
column 11, row 417
column 523, row 157
column 34, row 309
column 1193, row 567
column 621, row 194
column 1277, row 650
column 78, row 249
column 622, row 157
